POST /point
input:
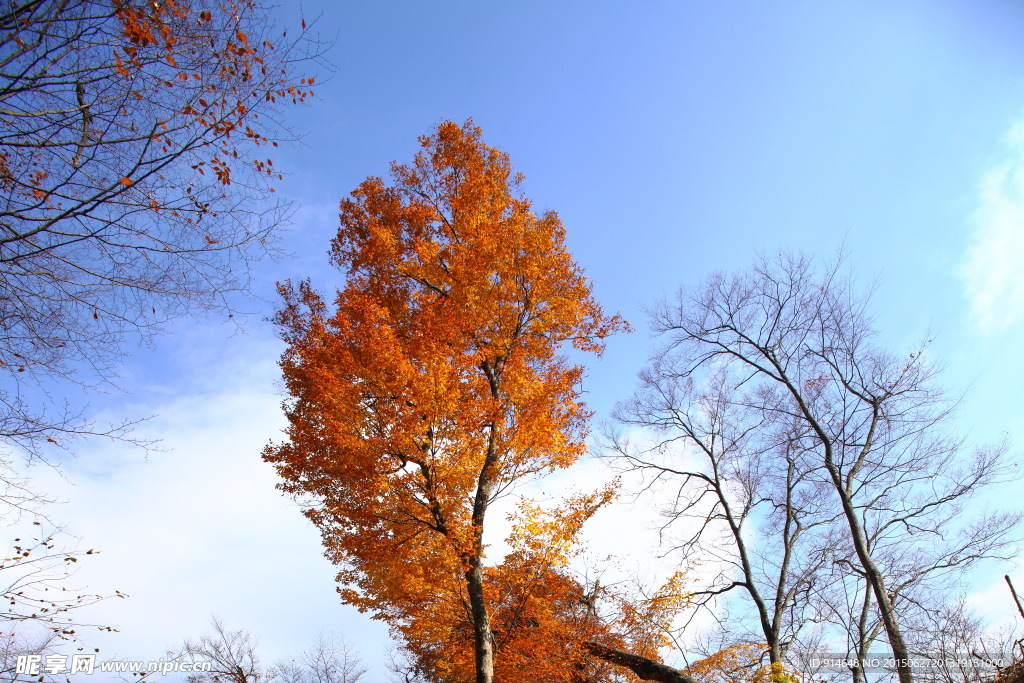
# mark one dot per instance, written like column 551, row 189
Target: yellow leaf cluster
column 741, row 663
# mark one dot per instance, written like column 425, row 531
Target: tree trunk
column 872, row 575
column 483, row 640
column 645, row 669
column 875, row 581
column 482, row 636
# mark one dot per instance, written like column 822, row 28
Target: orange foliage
column 230, row 72
column 433, row 384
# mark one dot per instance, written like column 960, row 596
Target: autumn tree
column 135, row 179
column 773, row 382
column 550, row 622
column 435, row 381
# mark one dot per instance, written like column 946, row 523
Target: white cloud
column 994, row 603
column 991, row 269
column 199, row 528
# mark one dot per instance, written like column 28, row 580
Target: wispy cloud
column 991, row 269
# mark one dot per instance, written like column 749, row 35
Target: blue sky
column 674, row 139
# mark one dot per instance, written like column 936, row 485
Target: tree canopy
column 435, row 382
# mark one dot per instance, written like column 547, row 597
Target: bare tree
column 134, row 185
column 331, row 659
column 961, row 647
column 17, row 643
column 808, row 396
column 402, row 668
column 734, row 467
column 923, row 579
column 33, row 579
column 38, row 604
column 234, row 659
column 232, row 655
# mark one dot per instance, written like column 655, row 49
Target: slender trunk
column 770, row 632
column 862, row 638
column 482, row 638
column 874, row 577
column 789, row 536
column 875, row 581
